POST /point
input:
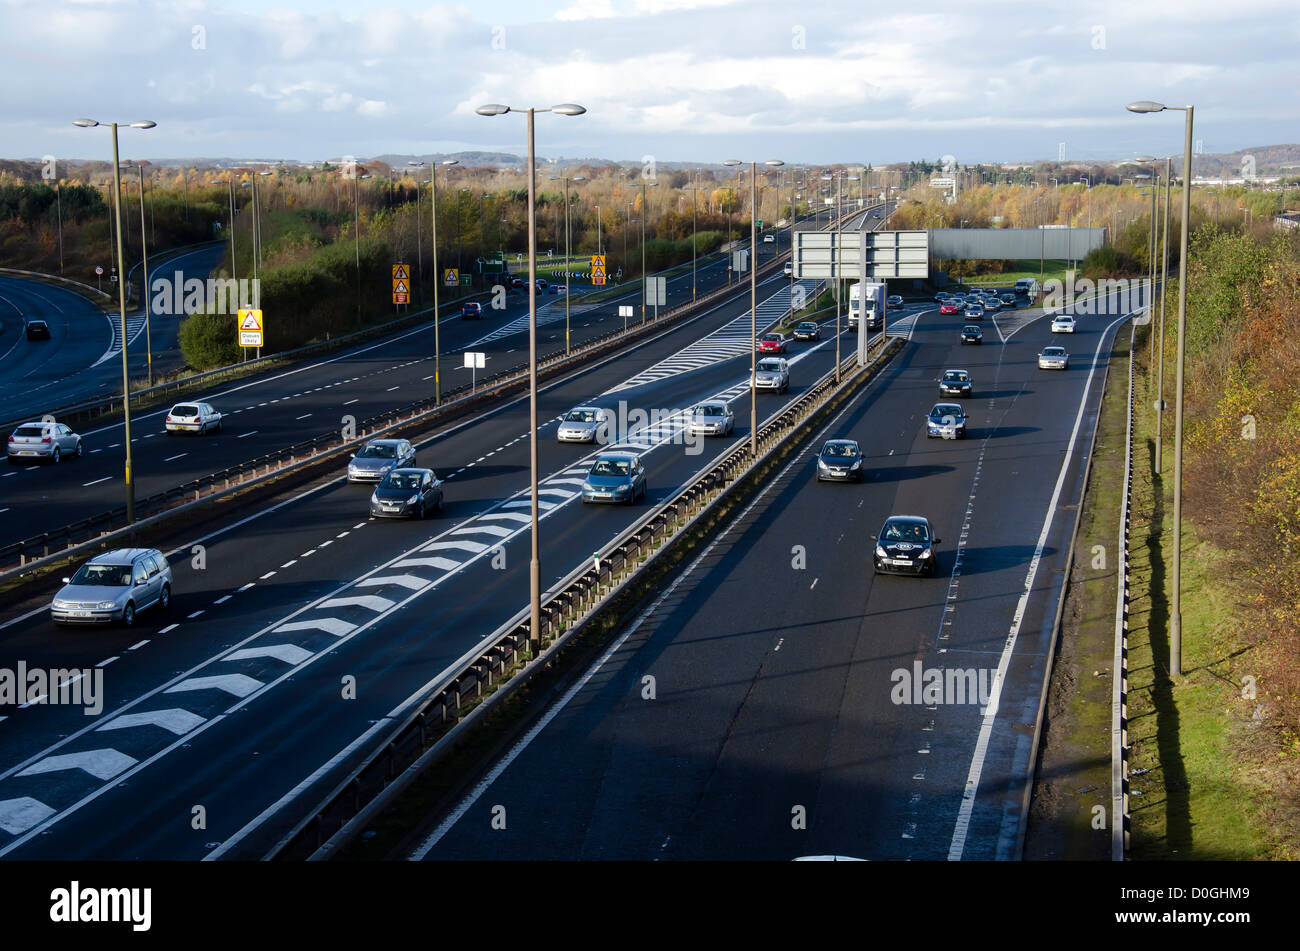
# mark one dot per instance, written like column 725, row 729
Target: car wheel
column 437, row 506
column 55, row 458
column 419, row 513
column 203, row 429
column 80, row 451
column 218, row 425
column 165, row 597
column 128, row 615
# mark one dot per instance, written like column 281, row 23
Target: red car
column 772, row 343
column 948, row 307
column 471, row 311
column 518, row 282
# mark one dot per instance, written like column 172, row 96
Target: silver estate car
column 113, row 586
column 1053, row 358
column 773, row 373
column 580, row 424
column 37, row 441
column 377, row 457
column 712, row 418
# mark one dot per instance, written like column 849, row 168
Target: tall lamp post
column 753, row 300
column 144, row 286
column 1164, row 283
column 121, row 301
column 567, row 265
column 645, row 213
column 356, row 234
column 1176, row 616
column 535, row 565
column 437, row 278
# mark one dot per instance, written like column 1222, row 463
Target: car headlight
column 374, row 498
column 588, row 487
column 880, row 552
column 927, row 553
column 61, row 604
column 856, row 465
column 106, row 605
column 821, row 464
column 413, row 499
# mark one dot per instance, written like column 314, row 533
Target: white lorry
column 872, row 304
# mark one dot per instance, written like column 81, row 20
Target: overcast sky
column 680, row 80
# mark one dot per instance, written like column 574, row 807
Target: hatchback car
column 949, row 307
column 808, row 330
column 1053, row 358
column 712, row 418
column 894, row 300
column 905, row 546
column 580, row 424
column 840, row 461
column 972, row 333
column 378, row 457
column 769, row 239
column 955, row 383
column 1008, row 300
column 471, row 310
column 615, row 477
column 114, row 586
column 406, row 493
column 773, row 373
column 992, row 304
column 541, row 285
column 946, row 421
column 974, row 311
column 518, row 282
column 38, row 330
column 772, row 343
column 1063, row 324
column 192, row 418
column 37, row 441
column 788, row 270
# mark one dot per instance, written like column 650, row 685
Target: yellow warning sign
column 401, row 291
column 401, row 272
column 250, row 328
column 450, row 277
column 598, row 261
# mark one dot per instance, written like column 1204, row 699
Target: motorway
column 283, row 407
column 300, row 630
column 775, row 731
column 82, row 360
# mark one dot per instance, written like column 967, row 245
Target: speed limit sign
column 99, row 271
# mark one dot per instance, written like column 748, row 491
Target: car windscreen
column 29, row 432
column 374, row 451
column 581, row 416
column 769, row 365
column 611, row 467
column 706, row 410
column 905, row 532
column 840, row 450
column 941, row 411
column 185, row 409
column 954, row 376
column 773, row 337
column 807, row 325
column 1054, row 352
column 113, row 576
column 401, row 480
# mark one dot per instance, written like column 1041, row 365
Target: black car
column 840, row 461
column 955, row 383
column 972, row 334
column 905, row 546
column 406, row 493
column 38, row 330
column 807, row 330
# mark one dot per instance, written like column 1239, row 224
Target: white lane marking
column 288, row 563
column 405, row 581
column 371, row 601
column 190, row 617
column 962, row 825
column 223, row 599
column 350, row 402
column 138, row 644
column 446, row 564
column 105, row 663
column 174, row 720
column 330, row 625
column 247, row 434
column 473, row 547
column 291, row 654
column 303, row 416
column 175, row 457
column 237, row 685
column 169, row 627
column 267, row 575
column 86, row 485
column 103, row 764
column 19, row 815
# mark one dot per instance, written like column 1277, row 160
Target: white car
column 1064, row 324
column 195, row 417
column 769, row 239
column 788, row 271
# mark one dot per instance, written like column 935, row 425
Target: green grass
column 1052, row 270
column 1204, row 794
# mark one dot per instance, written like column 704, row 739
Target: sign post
column 625, row 311
column 99, row 273
column 401, row 284
column 250, row 329
column 451, row 277
column 598, row 269
column 475, row 362
column 656, row 292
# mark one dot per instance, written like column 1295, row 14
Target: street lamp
column 121, row 300
column 437, row 278
column 1164, row 284
column 1176, row 617
column 535, row 566
column 1152, row 238
column 645, row 213
column 144, row 286
column 567, row 265
column 753, row 300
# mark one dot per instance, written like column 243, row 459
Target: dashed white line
column 245, row 587
column 105, row 663
column 86, row 485
column 265, row 576
column 288, row 563
column 137, row 645
column 222, row 600
column 247, row 434
column 169, row 627
column 191, row 617
column 174, row 458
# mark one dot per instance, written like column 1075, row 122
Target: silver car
column 1063, row 324
column 712, row 418
column 196, row 417
column 581, row 424
column 946, row 421
column 114, row 586
column 1053, row 358
column 377, row 457
column 37, row 441
column 407, row 492
column 773, row 373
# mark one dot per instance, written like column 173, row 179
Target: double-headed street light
column 1176, row 617
column 535, row 566
column 121, row 300
column 753, row 300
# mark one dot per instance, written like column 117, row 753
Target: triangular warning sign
column 250, row 322
column 399, row 287
column 400, row 272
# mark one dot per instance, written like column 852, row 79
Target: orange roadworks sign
column 598, row 269
column 401, row 272
column 401, row 291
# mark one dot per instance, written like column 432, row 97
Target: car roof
column 122, row 556
column 946, row 372
column 712, row 403
column 973, row 327
column 617, row 456
column 410, row 469
column 384, row 442
column 908, row 519
column 840, row 442
column 1046, row 349
column 577, row 408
